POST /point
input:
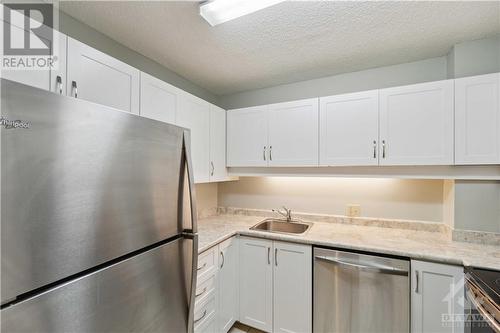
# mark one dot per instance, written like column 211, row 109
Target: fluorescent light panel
column 219, row 11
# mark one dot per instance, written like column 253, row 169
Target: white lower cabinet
column 216, row 302
column 256, row 283
column 275, row 285
column 228, row 284
column 292, row 289
column 437, row 298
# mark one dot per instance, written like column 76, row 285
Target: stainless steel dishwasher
column 358, row 293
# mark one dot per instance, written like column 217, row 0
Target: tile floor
column 240, row 328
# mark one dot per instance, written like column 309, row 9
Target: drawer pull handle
column 202, row 292
column 203, row 266
column 223, row 259
column 59, row 84
column 75, row 89
column 202, row 316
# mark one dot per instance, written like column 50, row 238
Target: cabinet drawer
column 207, row 263
column 204, row 312
column 205, row 289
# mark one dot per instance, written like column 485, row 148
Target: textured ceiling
column 289, row 42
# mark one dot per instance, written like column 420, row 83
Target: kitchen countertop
column 415, row 244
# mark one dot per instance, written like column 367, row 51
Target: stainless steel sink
column 282, row 226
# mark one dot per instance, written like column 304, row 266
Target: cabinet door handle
column 416, row 282
column 59, row 84
column 213, row 168
column 202, row 316
column 223, row 259
column 75, row 89
column 264, row 153
column 270, row 153
column 203, row 266
column 202, row 292
column 374, row 149
column 276, row 257
column 269, row 256
column 383, row 148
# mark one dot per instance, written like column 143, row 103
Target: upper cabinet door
column 158, row 99
column 477, row 120
column 46, row 79
column 194, row 114
column 293, row 133
column 349, row 129
column 247, row 137
column 416, row 124
column 218, row 171
column 100, row 78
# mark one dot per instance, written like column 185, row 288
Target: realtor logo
column 28, row 36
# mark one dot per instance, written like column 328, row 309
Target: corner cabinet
column 437, row 298
column 97, row 77
column 416, row 124
column 275, row 285
column 477, row 119
column 282, row 134
column 194, row 114
column 217, row 163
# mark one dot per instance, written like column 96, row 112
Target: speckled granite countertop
column 415, row 244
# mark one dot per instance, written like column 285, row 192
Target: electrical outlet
column 353, row 210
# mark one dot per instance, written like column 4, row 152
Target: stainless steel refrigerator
column 98, row 222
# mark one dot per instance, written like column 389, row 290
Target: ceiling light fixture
column 219, row 11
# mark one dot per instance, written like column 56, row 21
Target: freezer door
column 81, row 184
column 149, row 292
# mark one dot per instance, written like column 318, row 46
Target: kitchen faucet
column 287, row 213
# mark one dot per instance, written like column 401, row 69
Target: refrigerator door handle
column 186, row 165
column 186, row 149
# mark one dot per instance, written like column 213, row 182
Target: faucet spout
column 287, row 213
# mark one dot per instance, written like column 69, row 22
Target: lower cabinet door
column 292, row 288
column 228, row 284
column 437, row 298
column 256, row 283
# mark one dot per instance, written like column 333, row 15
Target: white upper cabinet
column 477, row 120
column 416, row 124
column 256, row 283
column 158, row 99
column 194, row 114
column 349, row 129
column 218, row 171
column 437, row 294
column 292, row 293
column 100, row 78
column 293, row 133
column 247, row 137
column 50, row 79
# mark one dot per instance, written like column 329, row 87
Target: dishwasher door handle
column 369, row 268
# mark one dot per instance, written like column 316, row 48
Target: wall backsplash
column 477, row 205
column 382, row 198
